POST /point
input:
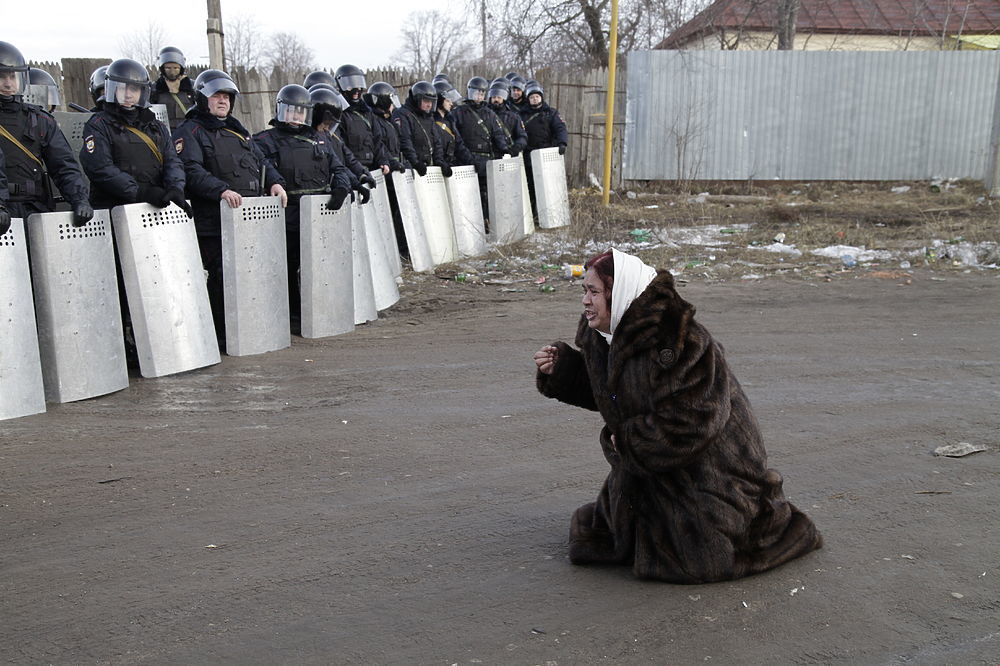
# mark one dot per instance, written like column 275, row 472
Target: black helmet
column 533, row 86
column 213, row 81
column 171, row 54
column 318, row 76
column 517, row 82
column 293, row 106
column 440, row 76
column 477, row 84
column 510, row 76
column 447, row 91
column 11, row 60
column 328, row 104
column 349, row 77
column 497, row 90
column 42, row 88
column 421, row 91
column 381, row 95
column 128, row 79
column 97, row 83
column 500, row 82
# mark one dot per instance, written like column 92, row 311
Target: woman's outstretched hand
column 545, row 359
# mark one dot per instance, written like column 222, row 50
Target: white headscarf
column 632, row 277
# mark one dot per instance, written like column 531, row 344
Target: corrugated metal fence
column 794, row 115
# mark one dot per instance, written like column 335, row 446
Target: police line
column 61, row 313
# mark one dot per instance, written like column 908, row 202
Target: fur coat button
column 666, row 357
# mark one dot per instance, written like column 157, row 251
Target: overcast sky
column 362, row 33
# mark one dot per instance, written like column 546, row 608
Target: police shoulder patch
column 179, row 145
column 88, row 143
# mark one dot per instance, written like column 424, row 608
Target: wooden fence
column 579, row 97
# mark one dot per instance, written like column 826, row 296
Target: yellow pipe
column 609, row 112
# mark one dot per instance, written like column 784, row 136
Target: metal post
column 609, row 113
column 992, row 176
column 216, row 40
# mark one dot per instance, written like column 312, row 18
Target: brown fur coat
column 689, row 498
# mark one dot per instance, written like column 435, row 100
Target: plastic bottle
column 848, row 260
column 572, row 270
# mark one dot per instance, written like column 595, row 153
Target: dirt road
column 402, row 495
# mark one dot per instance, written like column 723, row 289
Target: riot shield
column 432, row 198
column 529, row 217
column 548, row 169
column 77, row 306
column 364, row 290
column 503, row 186
column 255, row 276
column 466, row 211
column 413, row 223
column 71, row 125
column 383, row 210
column 21, row 389
column 386, row 292
column 326, row 268
column 160, row 111
column 165, row 285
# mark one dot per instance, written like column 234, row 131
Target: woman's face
column 596, row 306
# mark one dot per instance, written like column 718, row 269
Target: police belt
column 20, row 192
column 314, row 190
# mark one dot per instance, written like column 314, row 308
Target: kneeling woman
column 689, row 498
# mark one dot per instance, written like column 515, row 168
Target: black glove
column 514, row 149
column 367, row 179
column 4, row 220
column 562, row 148
column 337, row 198
column 445, row 170
column 420, row 168
column 363, row 193
column 82, row 213
column 157, row 196
column 177, row 197
column 397, row 166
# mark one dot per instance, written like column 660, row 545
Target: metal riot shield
column 432, row 198
column 71, row 125
column 165, row 285
column 466, row 211
column 326, row 268
column 160, row 111
column 21, row 388
column 503, row 185
column 77, row 306
column 383, row 210
column 384, row 286
column 255, row 276
column 548, row 168
column 529, row 217
column 413, row 223
column 364, row 291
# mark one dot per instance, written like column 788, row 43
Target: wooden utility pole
column 216, row 40
column 482, row 20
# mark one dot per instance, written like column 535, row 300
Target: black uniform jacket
column 418, row 139
column 120, row 164
column 218, row 155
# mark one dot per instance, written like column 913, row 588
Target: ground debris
column 958, row 450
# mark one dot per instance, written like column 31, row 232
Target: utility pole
column 216, row 40
column 609, row 113
column 482, row 21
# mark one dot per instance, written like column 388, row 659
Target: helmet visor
column 352, row 81
column 476, row 94
column 126, row 94
column 220, row 85
column 13, row 81
column 497, row 91
column 293, row 114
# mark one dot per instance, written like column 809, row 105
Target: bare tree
column 433, row 41
column 143, row 45
column 289, row 53
column 243, row 43
column 785, row 26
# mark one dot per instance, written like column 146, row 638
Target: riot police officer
column 452, row 147
column 517, row 99
column 220, row 163
column 96, row 87
column 306, row 161
column 510, row 121
column 357, row 127
column 35, row 148
column 43, row 89
column 418, row 139
column 480, row 129
column 545, row 129
column 328, row 109
column 382, row 99
column 319, row 76
column 173, row 89
column 127, row 153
